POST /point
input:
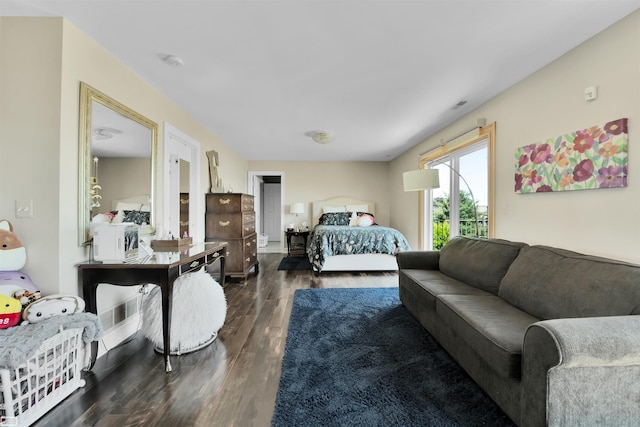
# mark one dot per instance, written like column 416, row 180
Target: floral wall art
column 586, row 159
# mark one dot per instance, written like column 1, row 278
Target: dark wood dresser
column 231, row 217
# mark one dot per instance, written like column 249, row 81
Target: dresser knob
column 194, row 264
column 224, row 223
column 224, row 201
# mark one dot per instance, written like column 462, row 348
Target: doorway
column 182, row 195
column 267, row 187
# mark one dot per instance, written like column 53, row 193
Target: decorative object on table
column 199, row 311
column 348, row 350
column 171, row 244
column 215, row 183
column 585, row 159
column 13, row 255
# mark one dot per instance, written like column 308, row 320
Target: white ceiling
column 381, row 75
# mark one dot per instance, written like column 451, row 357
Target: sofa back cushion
column 551, row 283
column 478, row 262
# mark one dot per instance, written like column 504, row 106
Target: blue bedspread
column 328, row 240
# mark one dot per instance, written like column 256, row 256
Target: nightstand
column 297, row 249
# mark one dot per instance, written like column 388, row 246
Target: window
column 463, row 203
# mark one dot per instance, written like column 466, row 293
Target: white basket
column 263, row 241
column 35, row 387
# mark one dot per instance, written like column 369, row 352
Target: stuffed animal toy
column 10, row 309
column 12, row 281
column 52, row 305
column 25, row 297
column 13, row 255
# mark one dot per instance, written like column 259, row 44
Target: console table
column 161, row 269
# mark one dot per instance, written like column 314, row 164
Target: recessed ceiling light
column 172, row 60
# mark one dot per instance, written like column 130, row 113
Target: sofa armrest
column 581, row 371
column 422, row 260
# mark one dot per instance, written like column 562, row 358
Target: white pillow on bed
column 331, row 209
column 358, row 208
column 365, row 220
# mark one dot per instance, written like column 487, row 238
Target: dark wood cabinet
column 231, row 217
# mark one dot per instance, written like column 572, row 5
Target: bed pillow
column 365, row 220
column 334, row 218
column 137, row 217
column 332, row 209
column 353, row 220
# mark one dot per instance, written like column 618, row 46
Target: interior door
column 271, row 211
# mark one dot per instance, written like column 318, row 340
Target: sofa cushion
column 428, row 284
column 552, row 283
column 490, row 326
column 479, row 262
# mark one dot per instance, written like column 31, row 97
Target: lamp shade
column 421, row 179
column 297, row 208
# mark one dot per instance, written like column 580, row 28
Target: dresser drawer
column 221, row 202
column 230, row 225
column 250, row 255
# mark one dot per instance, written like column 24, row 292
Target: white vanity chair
column 199, row 311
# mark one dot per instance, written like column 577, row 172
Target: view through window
column 460, row 206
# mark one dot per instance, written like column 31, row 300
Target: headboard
column 338, row 201
column 137, row 203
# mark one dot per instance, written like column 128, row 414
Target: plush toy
column 12, row 281
column 52, row 305
column 10, row 309
column 26, row 297
column 13, row 255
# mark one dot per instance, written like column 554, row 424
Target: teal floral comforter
column 328, row 240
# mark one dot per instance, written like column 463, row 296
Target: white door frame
column 252, row 190
column 179, row 145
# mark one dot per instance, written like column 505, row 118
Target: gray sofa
column 551, row 335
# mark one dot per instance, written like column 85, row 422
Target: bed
column 352, row 247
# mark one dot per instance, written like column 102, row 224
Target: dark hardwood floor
column 233, row 382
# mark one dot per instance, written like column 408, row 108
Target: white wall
column 547, row 104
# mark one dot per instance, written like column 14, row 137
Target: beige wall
column 547, row 104
column 43, row 62
column 309, row 182
column 30, row 151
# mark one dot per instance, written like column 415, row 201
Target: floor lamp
column 427, row 179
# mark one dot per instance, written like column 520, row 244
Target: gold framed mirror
column 117, row 164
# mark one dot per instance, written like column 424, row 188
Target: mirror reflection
column 117, row 155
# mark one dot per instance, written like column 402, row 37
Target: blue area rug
column 357, row 357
